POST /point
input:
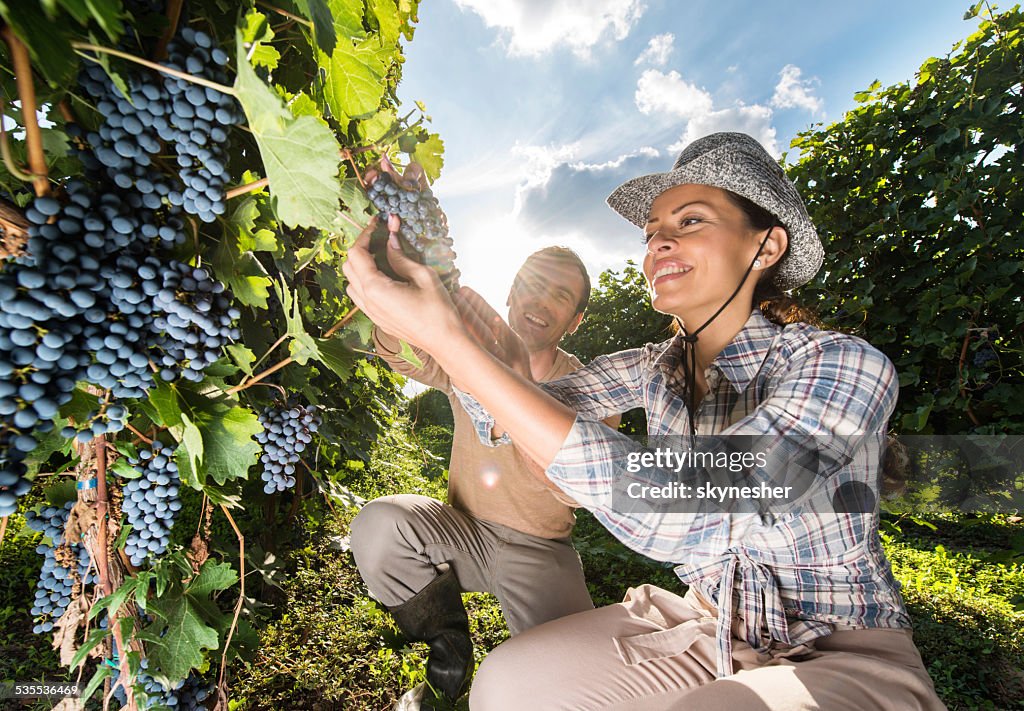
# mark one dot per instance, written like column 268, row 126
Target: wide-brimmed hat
column 738, row 163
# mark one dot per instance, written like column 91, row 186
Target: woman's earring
column 757, row 263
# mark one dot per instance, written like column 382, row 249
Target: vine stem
column 138, row 434
column 5, row 152
column 277, row 366
column 238, row 605
column 247, row 188
column 3, row 529
column 27, row 96
column 152, row 65
column 285, row 13
column 173, row 16
column 101, row 514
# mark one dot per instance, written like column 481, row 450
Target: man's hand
column 492, row 333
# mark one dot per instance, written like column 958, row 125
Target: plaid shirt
column 789, row 578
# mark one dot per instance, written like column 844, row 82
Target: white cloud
column 615, row 163
column 657, row 50
column 754, row 120
column 792, row 92
column 533, row 27
column 657, row 92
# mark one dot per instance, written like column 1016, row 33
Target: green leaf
column 177, row 638
column 60, row 493
column 255, row 28
column 49, row 43
column 390, row 24
column 430, row 155
column 228, row 448
column 378, row 125
column 337, row 356
column 164, row 399
column 212, row 577
column 242, row 272
column 125, row 470
column 353, row 80
column 242, row 356
column 302, row 348
column 266, row 55
column 354, row 197
column 323, row 23
column 192, row 439
column 409, row 355
column 106, row 13
column 300, row 155
column 348, row 18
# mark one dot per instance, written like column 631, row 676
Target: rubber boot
column 436, row 615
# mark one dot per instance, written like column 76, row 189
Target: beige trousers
column 400, row 541
column 656, row 651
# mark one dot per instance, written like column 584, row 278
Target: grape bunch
column 12, row 467
column 984, row 355
column 423, row 233
column 187, row 695
column 200, row 116
column 151, row 502
column 58, row 577
column 197, row 319
column 286, row 432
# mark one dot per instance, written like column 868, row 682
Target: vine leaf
column 353, row 79
column 185, row 623
column 164, row 407
column 348, row 18
column 323, row 23
column 228, row 450
column 243, row 356
column 49, row 43
column 409, row 356
column 300, row 155
column 430, row 155
column 192, row 438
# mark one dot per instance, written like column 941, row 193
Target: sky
column 545, row 106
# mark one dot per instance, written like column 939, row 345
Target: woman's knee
column 505, row 680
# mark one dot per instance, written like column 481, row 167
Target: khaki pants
column 656, row 651
column 400, row 541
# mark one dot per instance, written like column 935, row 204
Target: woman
column 797, row 610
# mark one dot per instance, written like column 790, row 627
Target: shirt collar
column 740, row 360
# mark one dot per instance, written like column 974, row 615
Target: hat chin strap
column 690, row 344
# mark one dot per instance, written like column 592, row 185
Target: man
column 501, row 531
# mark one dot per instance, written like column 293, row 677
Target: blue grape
column 287, row 430
column 65, row 565
column 151, row 502
column 423, row 232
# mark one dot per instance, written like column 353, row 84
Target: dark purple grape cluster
column 196, row 319
column 424, row 229
column 187, row 695
column 55, row 588
column 96, row 298
column 200, row 117
column 287, row 431
column 984, row 355
column 151, row 502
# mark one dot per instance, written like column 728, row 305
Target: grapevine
column 127, row 319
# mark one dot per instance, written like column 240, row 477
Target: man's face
column 543, row 301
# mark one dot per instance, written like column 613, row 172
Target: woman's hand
column 492, row 332
column 418, row 311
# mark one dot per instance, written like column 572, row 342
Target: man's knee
column 376, row 529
